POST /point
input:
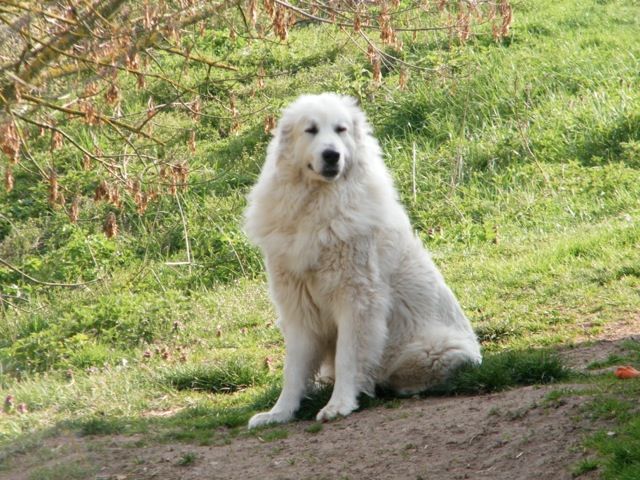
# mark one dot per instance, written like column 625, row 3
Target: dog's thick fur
column 359, row 300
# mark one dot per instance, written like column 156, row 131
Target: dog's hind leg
column 424, row 364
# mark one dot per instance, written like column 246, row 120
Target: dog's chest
column 305, row 252
column 301, row 242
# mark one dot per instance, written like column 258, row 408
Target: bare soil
column 517, row 434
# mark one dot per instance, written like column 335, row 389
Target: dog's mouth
column 328, row 172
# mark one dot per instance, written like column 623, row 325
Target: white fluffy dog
column 359, row 300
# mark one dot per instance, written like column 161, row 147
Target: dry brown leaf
column 53, row 188
column 269, row 124
column 112, row 95
column 74, row 211
column 9, row 181
column 56, row 140
column 403, row 78
column 111, row 225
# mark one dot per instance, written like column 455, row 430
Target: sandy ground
column 517, row 434
column 503, row 436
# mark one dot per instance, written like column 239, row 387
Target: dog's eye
column 341, row 129
column 312, row 130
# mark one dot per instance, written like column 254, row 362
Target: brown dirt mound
column 514, row 434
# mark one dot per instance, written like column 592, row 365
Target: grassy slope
column 527, row 192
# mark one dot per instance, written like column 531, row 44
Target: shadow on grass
column 198, row 424
column 497, row 372
column 616, row 141
column 236, row 373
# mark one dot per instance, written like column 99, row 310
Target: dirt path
column 503, row 436
column 518, row 434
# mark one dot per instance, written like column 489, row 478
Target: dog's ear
column 350, row 101
column 282, row 134
column 361, row 127
column 285, row 125
column 284, row 128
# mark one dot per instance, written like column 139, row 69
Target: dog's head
column 318, row 135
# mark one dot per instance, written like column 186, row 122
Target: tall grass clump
column 505, row 370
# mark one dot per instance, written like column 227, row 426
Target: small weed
column 64, row 471
column 585, row 466
column 187, row 459
column 101, row 426
column 610, row 361
column 392, row 403
column 314, row 428
column 609, row 408
column 557, row 398
column 554, row 395
column 494, row 412
column 272, row 435
column 516, row 414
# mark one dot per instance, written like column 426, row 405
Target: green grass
column 631, row 356
column 314, row 428
column 235, row 374
column 187, row 459
column 527, row 193
column 584, row 466
column 618, row 448
column 273, row 434
column 505, row 370
column 64, row 471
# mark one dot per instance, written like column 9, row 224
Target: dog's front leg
column 359, row 347
column 299, row 367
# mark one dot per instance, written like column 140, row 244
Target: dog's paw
column 336, row 408
column 267, row 418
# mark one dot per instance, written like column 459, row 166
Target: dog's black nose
column 330, row 157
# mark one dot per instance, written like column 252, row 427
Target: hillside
column 518, row 162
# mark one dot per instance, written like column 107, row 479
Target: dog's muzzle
column 330, row 167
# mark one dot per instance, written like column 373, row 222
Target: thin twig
column 342, row 24
column 198, row 58
column 413, row 172
column 68, row 137
column 48, row 284
column 386, row 57
column 235, row 252
column 186, row 232
column 155, row 275
column 79, row 113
